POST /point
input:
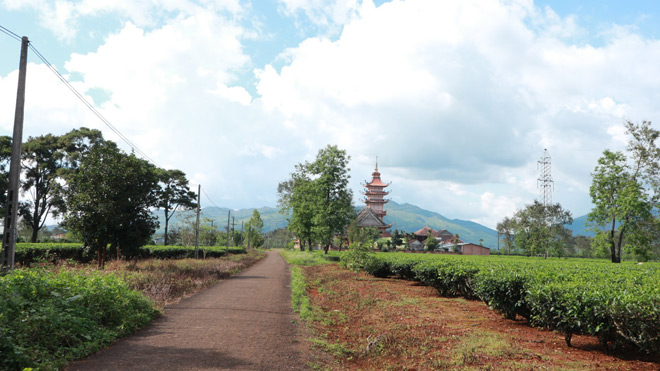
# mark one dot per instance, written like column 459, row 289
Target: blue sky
column 457, row 98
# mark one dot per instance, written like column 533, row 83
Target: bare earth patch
column 391, row 324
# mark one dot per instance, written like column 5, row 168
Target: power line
column 209, row 198
column 90, row 106
column 9, row 33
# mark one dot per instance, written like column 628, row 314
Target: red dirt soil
column 396, row 324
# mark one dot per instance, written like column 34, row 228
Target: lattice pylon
column 545, row 182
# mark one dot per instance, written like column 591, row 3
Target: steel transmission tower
column 545, row 182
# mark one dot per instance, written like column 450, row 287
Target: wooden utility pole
column 9, row 234
column 233, row 223
column 199, row 191
column 228, row 213
column 249, row 230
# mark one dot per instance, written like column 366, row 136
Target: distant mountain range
column 579, row 227
column 405, row 217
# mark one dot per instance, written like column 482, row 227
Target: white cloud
column 62, row 16
column 458, row 99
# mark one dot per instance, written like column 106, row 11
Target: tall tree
column 5, row 157
column 295, row 199
column 538, row 229
column 505, row 229
column 625, row 190
column 46, row 160
column 333, row 208
column 253, row 229
column 173, row 193
column 41, row 159
column 109, row 200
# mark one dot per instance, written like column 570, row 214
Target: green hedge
column 182, row 252
column 47, row 319
column 28, row 253
column 619, row 303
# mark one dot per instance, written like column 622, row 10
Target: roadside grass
column 167, row 281
column 53, row 314
column 306, row 258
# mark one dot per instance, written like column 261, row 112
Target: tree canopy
column 317, row 197
column 109, row 198
column 537, row 229
column 173, row 193
column 625, row 191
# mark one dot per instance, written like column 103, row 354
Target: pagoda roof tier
column 375, row 201
column 368, row 218
column 376, row 182
column 381, row 193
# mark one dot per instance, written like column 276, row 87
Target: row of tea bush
column 618, row 303
column 28, row 253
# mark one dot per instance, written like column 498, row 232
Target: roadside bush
column 47, row 318
column 30, row 253
column 356, row 257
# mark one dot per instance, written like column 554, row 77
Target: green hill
column 406, row 217
column 410, row 218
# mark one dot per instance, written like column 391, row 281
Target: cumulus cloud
column 457, row 98
column 466, row 91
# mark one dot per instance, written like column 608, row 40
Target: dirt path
column 245, row 322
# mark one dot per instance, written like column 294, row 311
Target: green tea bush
column 47, row 319
column 183, row 252
column 29, row 253
column 618, row 303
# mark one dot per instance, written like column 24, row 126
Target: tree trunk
column 612, row 243
column 99, row 256
column 325, row 249
column 619, row 245
column 309, row 245
column 167, row 220
column 35, row 221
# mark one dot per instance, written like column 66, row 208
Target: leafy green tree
column 456, row 248
column 295, row 199
column 431, row 242
column 396, row 238
column 46, row 160
column 279, row 238
column 333, row 207
column 173, row 193
column 253, row 230
column 317, row 198
column 540, row 230
column 624, row 191
column 505, row 229
column 208, row 233
column 109, row 200
column 5, row 157
column 363, row 236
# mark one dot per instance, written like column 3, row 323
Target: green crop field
column 619, row 303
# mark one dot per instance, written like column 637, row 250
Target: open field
column 369, row 322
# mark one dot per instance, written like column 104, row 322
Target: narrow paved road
column 244, row 322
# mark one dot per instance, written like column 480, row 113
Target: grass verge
column 52, row 315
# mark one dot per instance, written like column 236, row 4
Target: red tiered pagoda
column 373, row 214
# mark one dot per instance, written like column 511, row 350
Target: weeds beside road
column 52, row 314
